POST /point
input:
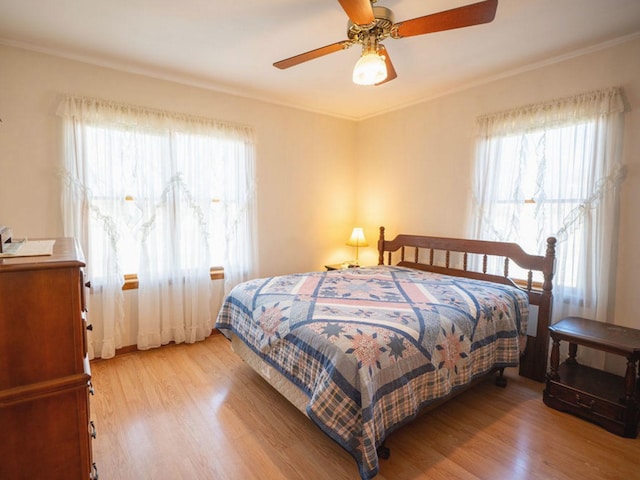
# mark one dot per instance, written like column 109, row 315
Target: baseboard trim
column 129, row 349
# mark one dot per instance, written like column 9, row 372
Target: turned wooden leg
column 555, row 359
column 573, row 351
column 630, row 381
column 501, row 380
column 383, row 451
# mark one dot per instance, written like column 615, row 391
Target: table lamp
column 357, row 240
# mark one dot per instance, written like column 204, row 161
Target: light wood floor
column 198, row 412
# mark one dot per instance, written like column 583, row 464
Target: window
column 184, row 196
column 551, row 182
column 553, row 169
column 164, row 196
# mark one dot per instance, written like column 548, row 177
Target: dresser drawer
column 42, row 330
column 49, row 437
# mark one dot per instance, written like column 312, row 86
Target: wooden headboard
column 451, row 256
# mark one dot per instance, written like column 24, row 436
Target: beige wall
column 416, row 177
column 412, row 166
column 300, row 155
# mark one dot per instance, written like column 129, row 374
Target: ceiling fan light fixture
column 369, row 25
column 369, row 69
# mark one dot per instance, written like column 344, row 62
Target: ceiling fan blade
column 359, row 12
column 391, row 72
column 474, row 14
column 310, row 55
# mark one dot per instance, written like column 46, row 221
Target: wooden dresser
column 45, row 379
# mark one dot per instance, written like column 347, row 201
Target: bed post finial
column 381, row 247
column 551, row 246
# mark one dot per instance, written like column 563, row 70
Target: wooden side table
column 608, row 400
column 340, row 266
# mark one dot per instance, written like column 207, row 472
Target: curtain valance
column 94, row 110
column 553, row 113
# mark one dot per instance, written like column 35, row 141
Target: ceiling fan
column 369, row 25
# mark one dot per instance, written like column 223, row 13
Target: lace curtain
column 162, row 195
column 554, row 169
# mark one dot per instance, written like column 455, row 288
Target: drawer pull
column 90, row 327
column 92, row 429
column 88, row 284
column 588, row 405
column 94, row 472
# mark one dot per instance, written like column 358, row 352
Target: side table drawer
column 585, row 404
column 614, row 417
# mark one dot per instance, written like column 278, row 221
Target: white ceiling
column 230, row 45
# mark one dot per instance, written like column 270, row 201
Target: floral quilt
column 371, row 346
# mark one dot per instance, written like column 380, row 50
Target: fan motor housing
column 380, row 27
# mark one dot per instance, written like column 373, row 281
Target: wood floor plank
column 197, row 411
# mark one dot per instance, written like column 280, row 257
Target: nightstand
column 340, row 266
column 609, row 400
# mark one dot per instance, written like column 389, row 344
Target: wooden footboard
column 471, row 259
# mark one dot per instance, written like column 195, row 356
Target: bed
column 362, row 351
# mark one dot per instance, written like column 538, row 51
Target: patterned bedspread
column 371, row 346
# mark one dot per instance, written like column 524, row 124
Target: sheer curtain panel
column 166, row 197
column 554, row 169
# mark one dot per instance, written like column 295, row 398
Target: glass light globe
column 369, row 69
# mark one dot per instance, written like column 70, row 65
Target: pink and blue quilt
column 371, row 346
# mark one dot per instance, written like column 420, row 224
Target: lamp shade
column 357, row 238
